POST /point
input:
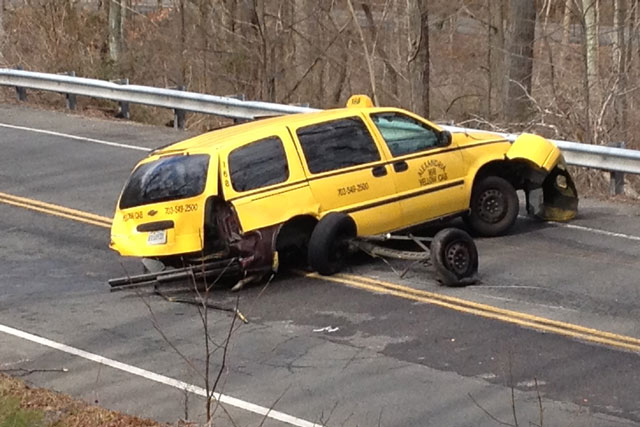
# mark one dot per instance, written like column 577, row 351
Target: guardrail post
column 616, row 179
column 123, row 112
column 21, row 92
column 71, row 98
column 239, row 97
column 179, row 116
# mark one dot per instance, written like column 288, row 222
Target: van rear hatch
column 161, row 208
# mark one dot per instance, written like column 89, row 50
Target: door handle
column 400, row 166
column 379, row 171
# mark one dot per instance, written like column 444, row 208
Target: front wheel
column 329, row 243
column 494, row 206
column 454, row 256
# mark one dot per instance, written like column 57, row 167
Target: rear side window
column 259, row 164
column 337, row 144
column 168, row 178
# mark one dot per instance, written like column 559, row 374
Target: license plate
column 157, row 237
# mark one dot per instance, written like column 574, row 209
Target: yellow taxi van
column 297, row 184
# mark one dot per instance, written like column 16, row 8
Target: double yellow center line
column 388, row 288
column 56, row 210
column 483, row 310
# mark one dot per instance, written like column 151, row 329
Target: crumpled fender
column 556, row 198
column 535, row 149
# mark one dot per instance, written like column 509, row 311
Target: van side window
column 403, row 134
column 258, row 164
column 337, row 144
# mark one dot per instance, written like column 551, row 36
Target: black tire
column 329, row 243
column 454, row 256
column 494, row 207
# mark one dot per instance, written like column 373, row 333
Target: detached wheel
column 329, row 243
column 494, row 206
column 454, row 256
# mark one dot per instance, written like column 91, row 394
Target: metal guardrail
column 613, row 159
column 147, row 95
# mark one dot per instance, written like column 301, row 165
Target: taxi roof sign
column 359, row 101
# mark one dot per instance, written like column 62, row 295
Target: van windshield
column 168, row 178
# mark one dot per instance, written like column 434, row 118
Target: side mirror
column 445, row 138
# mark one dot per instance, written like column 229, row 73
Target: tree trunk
column 205, row 9
column 632, row 17
column 379, row 47
column 496, row 58
column 634, row 31
column 418, row 60
column 2, row 34
column 590, row 50
column 566, row 32
column 116, row 30
column 367, row 53
column 183, row 45
column 230, row 16
column 522, row 36
column 284, row 50
column 620, row 63
column 591, row 41
column 341, row 78
column 267, row 81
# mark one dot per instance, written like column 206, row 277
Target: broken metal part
column 216, row 268
column 224, row 238
column 389, row 236
column 381, row 251
column 557, row 199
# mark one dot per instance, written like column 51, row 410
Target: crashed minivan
column 290, row 185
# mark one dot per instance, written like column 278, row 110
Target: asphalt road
column 552, row 324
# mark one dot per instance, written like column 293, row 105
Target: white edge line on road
column 598, row 231
column 152, row 376
column 589, row 229
column 79, row 138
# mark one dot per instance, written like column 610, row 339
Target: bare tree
column 418, row 59
column 590, row 49
column 116, row 29
column 367, row 53
column 566, row 31
column 590, row 40
column 521, row 40
column 620, row 64
column 183, row 44
column 378, row 46
column 205, row 31
column 496, row 57
column 2, row 35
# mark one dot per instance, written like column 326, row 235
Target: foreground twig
column 489, row 414
column 24, row 371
